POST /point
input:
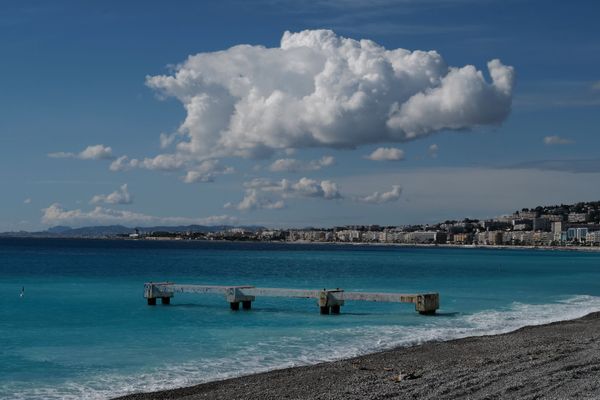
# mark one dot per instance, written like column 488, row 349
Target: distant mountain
column 59, row 229
column 116, row 230
column 97, row 231
column 196, row 228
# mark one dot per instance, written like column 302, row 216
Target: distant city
column 561, row 225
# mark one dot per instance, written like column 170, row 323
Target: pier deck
column 329, row 300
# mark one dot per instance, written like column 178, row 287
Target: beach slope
column 554, row 361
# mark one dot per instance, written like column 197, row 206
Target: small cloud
column 304, row 187
column 120, row 164
column 386, row 154
column 162, row 162
column 555, row 139
column 206, row 172
column 596, row 85
column 258, row 189
column 95, row 152
column 119, row 196
column 380, row 198
column 62, row 154
column 433, row 150
column 253, row 201
column 293, row 165
column 27, row 201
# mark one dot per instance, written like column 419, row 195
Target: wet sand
column 555, row 361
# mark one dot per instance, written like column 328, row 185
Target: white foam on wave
column 314, row 347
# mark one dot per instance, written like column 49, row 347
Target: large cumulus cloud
column 322, row 90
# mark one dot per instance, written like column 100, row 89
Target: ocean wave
column 314, row 346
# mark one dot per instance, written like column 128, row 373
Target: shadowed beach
column 554, row 361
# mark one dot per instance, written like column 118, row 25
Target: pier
column 329, row 301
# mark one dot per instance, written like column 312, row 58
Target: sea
column 74, row 323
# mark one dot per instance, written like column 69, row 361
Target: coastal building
column 521, row 225
column 520, row 238
column 490, row 238
column 543, row 238
column 578, row 217
column 577, row 234
column 552, row 217
column 497, row 224
column 593, row 238
column 525, row 215
column 541, row 224
column 558, row 226
column 426, row 237
column 371, row 236
column 348, row 235
column 504, row 219
column 496, row 238
column 462, row 238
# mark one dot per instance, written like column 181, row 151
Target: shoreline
column 556, row 360
column 584, row 249
column 591, row 249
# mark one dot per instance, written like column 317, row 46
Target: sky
column 295, row 113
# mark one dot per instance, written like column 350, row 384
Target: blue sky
column 79, row 74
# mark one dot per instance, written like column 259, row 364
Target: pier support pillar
column 162, row 290
column 426, row 304
column 330, row 301
column 236, row 296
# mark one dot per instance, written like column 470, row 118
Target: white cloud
column 322, row 90
column 294, row 165
column 258, row 189
column 120, row 164
column 119, row 196
column 161, row 162
column 386, row 154
column 596, row 85
column 55, row 214
column 304, row 187
column 95, row 152
column 206, row 172
column 555, row 139
column 62, row 154
column 433, row 150
column 253, row 201
column 27, row 201
column 312, row 188
column 385, row 197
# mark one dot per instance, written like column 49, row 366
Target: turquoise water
column 84, row 331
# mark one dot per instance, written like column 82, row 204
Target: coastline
column 584, row 249
column 557, row 360
column 453, row 246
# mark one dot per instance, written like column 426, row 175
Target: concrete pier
column 329, row 301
